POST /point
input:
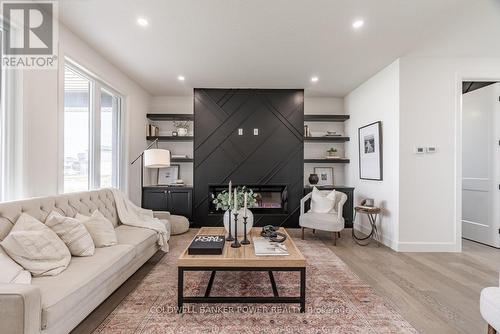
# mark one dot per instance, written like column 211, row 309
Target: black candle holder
column 236, row 243
column 229, row 236
column 245, row 240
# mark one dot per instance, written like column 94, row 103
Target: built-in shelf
column 181, row 160
column 327, row 161
column 170, row 117
column 336, row 139
column 325, row 118
column 171, row 138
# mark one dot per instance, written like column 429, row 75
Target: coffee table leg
column 302, row 290
column 180, row 289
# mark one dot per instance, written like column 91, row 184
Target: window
column 92, row 126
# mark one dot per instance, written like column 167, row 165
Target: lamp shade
column 156, row 158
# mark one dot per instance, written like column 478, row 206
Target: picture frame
column 325, row 175
column 168, row 175
column 370, row 152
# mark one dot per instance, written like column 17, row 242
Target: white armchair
column 332, row 221
column 489, row 306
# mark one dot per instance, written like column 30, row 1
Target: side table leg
column 180, row 289
column 302, row 290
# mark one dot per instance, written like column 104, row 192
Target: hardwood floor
column 435, row 292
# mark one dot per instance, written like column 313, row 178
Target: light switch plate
column 419, row 150
column 255, row 132
column 240, row 132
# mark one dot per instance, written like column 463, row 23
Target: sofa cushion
column 61, row 293
column 73, row 233
column 101, row 229
column 11, row 272
column 140, row 238
column 36, row 247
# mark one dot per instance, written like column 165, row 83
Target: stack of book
column 152, row 130
column 265, row 247
column 207, row 245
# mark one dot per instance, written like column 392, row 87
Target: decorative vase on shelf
column 313, row 179
column 182, row 132
column 240, row 221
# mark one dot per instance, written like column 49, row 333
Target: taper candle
column 235, row 200
column 229, row 199
column 245, row 205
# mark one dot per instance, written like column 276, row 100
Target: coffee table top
column 243, row 256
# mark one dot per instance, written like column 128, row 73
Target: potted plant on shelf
column 222, row 203
column 331, row 153
column 182, row 128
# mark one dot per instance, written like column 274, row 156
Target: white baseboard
column 435, row 247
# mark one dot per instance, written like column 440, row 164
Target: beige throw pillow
column 322, row 202
column 101, row 229
column 36, row 247
column 73, row 233
column 11, row 272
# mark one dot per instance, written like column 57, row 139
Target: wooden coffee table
column 241, row 259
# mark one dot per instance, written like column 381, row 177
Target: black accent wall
column 274, row 156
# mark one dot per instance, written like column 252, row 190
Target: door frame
column 477, row 75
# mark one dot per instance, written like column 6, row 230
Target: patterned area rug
column 337, row 301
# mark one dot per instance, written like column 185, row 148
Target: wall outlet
column 240, row 132
column 419, row 150
column 255, row 132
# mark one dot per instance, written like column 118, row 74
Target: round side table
column 372, row 213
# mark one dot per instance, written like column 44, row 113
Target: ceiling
column 254, row 44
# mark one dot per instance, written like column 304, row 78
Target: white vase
column 240, row 221
column 182, row 132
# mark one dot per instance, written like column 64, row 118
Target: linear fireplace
column 271, row 199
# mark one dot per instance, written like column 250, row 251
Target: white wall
column 312, row 150
column 377, row 100
column 430, row 184
column 42, row 112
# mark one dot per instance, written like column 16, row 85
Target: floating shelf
column 170, row 117
column 326, row 118
column 182, row 160
column 327, row 161
column 337, row 139
column 171, row 138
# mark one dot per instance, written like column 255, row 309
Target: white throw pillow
column 11, row 272
column 101, row 229
column 322, row 202
column 36, row 247
column 73, row 233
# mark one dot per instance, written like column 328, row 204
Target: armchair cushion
column 322, row 202
column 489, row 306
column 322, row 221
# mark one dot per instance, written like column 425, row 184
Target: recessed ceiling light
column 181, row 78
column 314, row 79
column 142, row 22
column 358, row 24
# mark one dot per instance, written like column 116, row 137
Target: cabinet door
column 155, row 200
column 180, row 202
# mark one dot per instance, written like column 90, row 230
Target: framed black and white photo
column 325, row 175
column 168, row 175
column 370, row 151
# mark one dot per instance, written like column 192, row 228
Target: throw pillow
column 36, row 247
column 73, row 233
column 101, row 229
column 322, row 202
column 12, row 272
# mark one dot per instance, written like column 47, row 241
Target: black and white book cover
column 207, row 245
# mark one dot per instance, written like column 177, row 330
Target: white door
column 481, row 165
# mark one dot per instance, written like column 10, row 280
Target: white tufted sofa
column 56, row 304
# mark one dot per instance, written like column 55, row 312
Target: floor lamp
column 152, row 158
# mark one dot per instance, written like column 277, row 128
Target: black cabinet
column 176, row 200
column 348, row 210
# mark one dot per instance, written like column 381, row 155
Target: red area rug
column 337, row 301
